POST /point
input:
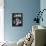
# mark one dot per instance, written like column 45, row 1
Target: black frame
column 17, row 19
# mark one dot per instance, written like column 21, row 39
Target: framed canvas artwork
column 17, row 19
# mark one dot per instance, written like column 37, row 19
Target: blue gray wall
column 28, row 8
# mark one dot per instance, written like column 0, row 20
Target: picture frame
column 17, row 19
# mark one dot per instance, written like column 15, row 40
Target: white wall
column 1, row 20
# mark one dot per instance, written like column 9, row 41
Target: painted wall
column 28, row 8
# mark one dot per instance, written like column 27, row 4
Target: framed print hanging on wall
column 17, row 19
